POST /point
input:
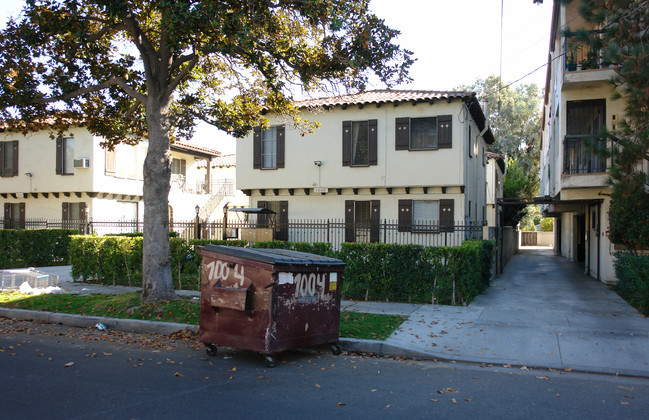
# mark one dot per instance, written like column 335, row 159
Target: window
column 178, row 171
column 14, row 217
column 280, row 221
column 360, row 143
column 426, row 215
column 585, row 123
column 362, row 220
column 64, row 156
column 268, row 147
column 74, row 216
column 428, row 133
column 9, row 158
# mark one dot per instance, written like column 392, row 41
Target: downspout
column 587, row 246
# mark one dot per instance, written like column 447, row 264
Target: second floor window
column 64, row 156
column 268, row 147
column 9, row 158
column 427, row 133
column 585, row 122
column 360, row 143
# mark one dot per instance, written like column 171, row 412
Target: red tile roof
column 189, row 147
column 385, row 96
column 224, row 161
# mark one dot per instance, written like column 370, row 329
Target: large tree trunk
column 157, row 282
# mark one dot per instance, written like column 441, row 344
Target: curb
column 83, row 321
column 353, row 345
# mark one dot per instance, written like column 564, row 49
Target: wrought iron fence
column 582, row 155
column 333, row 231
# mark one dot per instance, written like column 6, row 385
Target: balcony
column 583, row 65
column 581, row 155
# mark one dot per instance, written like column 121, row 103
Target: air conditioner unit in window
column 82, row 163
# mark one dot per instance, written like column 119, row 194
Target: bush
column 412, row 273
column 34, row 248
column 547, row 224
column 632, row 272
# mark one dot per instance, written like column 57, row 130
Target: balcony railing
column 582, row 155
column 580, row 55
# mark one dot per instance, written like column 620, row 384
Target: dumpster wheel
column 210, row 349
column 336, row 349
column 270, row 360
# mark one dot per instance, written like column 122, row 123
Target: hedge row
column 117, row 260
column 402, row 273
column 632, row 272
column 413, row 273
column 34, row 248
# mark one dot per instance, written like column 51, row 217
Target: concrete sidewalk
column 541, row 313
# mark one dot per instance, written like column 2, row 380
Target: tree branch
column 113, row 81
column 181, row 75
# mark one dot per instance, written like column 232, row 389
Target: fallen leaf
column 542, row 377
column 388, row 406
column 178, row 374
column 624, row 403
column 524, row 368
column 317, row 385
column 69, row 364
column 233, row 370
column 567, row 370
column 468, row 399
column 507, row 365
column 342, row 403
column 49, row 358
column 108, row 354
column 453, row 400
column 434, row 399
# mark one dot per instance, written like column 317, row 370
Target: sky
column 455, row 42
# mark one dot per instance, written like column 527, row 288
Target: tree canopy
column 622, row 39
column 515, row 119
column 131, row 69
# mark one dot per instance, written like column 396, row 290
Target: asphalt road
column 55, row 372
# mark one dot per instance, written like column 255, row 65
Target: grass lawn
column 186, row 311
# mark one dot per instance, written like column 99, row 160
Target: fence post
column 385, row 231
column 328, row 228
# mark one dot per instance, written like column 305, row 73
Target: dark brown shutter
column 59, row 155
column 110, row 162
column 444, row 132
column 350, row 235
column 65, row 207
column 446, row 215
column 281, row 147
column 2, row 158
column 256, row 148
column 21, row 216
column 375, row 220
column 14, row 145
column 7, row 221
column 282, row 233
column 347, row 143
column 82, row 212
column 405, row 216
column 262, row 219
column 402, row 133
column 372, row 139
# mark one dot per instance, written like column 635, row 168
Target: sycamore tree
column 132, row 69
column 622, row 39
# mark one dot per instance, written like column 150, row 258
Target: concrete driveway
column 542, row 312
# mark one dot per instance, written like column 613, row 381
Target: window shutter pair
column 372, row 142
column 446, row 215
column 256, row 147
column 282, row 232
column 444, row 132
column 350, row 222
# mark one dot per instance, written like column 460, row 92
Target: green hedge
column 34, row 248
column 380, row 272
column 413, row 273
column 632, row 272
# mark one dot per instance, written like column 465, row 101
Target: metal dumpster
column 268, row 300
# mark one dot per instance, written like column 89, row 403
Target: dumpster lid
column 254, row 210
column 274, row 256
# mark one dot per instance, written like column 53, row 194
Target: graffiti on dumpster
column 219, row 270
